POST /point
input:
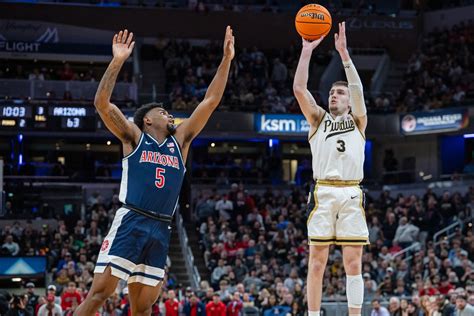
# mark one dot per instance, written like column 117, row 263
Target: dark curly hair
column 142, row 111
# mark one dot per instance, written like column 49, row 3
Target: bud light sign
column 281, row 124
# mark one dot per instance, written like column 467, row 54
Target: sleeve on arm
column 356, row 89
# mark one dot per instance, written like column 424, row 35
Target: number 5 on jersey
column 160, row 178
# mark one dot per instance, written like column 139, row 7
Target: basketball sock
column 312, row 313
column 355, row 290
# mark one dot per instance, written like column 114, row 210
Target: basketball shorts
column 135, row 248
column 336, row 215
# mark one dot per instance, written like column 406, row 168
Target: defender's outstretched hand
column 311, row 44
column 122, row 45
column 229, row 50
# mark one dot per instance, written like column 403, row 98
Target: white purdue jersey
column 337, row 148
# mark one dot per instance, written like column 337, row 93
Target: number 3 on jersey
column 160, row 178
column 342, row 146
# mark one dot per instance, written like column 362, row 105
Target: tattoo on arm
column 117, row 119
column 107, row 83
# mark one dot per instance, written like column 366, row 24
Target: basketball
column 313, row 21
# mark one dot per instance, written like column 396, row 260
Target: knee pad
column 355, row 290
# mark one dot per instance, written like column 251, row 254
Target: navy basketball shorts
column 135, row 248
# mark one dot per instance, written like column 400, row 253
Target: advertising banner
column 281, row 124
column 20, row 266
column 434, row 121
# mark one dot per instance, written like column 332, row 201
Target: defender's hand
column 122, row 45
column 229, row 50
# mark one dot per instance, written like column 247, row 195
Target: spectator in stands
column 394, row 306
column 194, row 307
column 17, row 306
column 50, row 308
column 36, row 75
column 10, row 247
column 378, row 310
column 215, row 307
column 463, row 308
column 390, row 228
column 70, row 298
column 67, row 73
column 370, row 287
column 225, row 208
column 406, row 233
column 32, row 297
column 218, row 272
column 234, row 307
column 172, row 304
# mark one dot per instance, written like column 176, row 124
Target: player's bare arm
column 356, row 89
column 191, row 127
column 311, row 110
column 116, row 122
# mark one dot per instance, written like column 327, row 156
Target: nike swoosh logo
column 148, row 143
column 353, row 197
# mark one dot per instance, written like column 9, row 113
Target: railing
column 191, row 269
column 449, row 228
column 417, row 246
column 414, row 247
column 56, row 89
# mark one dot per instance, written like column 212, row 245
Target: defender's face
column 338, row 99
column 158, row 117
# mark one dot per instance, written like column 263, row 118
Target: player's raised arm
column 356, row 89
column 187, row 130
column 311, row 111
column 113, row 118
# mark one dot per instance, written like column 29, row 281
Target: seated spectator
column 50, row 308
column 215, row 307
column 10, row 247
column 463, row 308
column 70, row 298
column 378, row 310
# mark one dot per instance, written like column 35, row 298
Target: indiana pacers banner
column 434, row 121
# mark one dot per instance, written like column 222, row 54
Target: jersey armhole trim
column 317, row 127
column 136, row 148
column 357, row 125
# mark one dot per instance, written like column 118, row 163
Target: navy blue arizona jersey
column 152, row 175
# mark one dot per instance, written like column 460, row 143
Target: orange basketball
column 313, row 21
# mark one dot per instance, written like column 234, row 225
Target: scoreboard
column 48, row 117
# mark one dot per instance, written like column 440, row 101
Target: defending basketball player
column 155, row 152
column 335, row 205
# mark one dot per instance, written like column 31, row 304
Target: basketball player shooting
column 155, row 152
column 335, row 205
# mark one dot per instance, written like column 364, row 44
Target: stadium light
column 468, row 135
